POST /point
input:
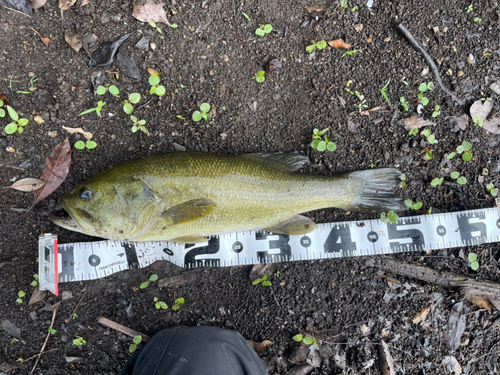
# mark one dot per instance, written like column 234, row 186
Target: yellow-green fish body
column 183, row 196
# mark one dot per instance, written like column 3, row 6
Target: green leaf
column 430, row 86
column 204, row 115
column 402, row 184
column 153, row 277
column 137, row 339
column 472, row 257
column 144, row 130
column 133, row 118
column 462, row 180
column 157, row 305
column 297, row 338
column 152, row 90
column 455, row 175
column 383, row 217
column 142, row 122
column 308, row 340
column 132, row 348
column 494, row 192
column 179, row 301
column 160, row 91
column 13, row 114
column 402, row 177
column 451, row 156
column 437, row 181
column 256, row 281
column 467, row 156
column 154, row 79
column 134, row 98
column 21, row 294
column 260, row 79
column 128, row 108
column 11, row 128
column 321, row 44
column 426, row 132
column 268, row 28
column 34, row 283
column 266, row 283
column 20, row 130
column 467, row 145
column 474, row 266
column 310, row 49
column 144, row 285
column 163, row 305
column 91, row 144
column 314, row 144
column 417, row 206
column 322, row 146
column 424, row 101
column 101, row 90
column 246, row 16
column 392, row 216
column 19, row 300
column 428, row 154
column 205, row 107
column 80, row 145
column 175, row 307
column 422, row 87
column 114, row 90
column 331, row 146
column 431, row 139
column 460, row 149
column 489, row 187
column 260, row 32
column 1, row 103
column 88, row 111
column 408, row 203
column 2, row 113
column 196, row 116
column 134, row 129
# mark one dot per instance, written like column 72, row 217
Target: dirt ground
column 211, row 56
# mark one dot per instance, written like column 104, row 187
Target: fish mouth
column 72, row 218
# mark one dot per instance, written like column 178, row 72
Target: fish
column 185, row 197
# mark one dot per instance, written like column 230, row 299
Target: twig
column 39, row 354
column 78, row 304
column 14, row 10
column 55, row 307
column 428, row 59
column 11, row 166
column 121, row 328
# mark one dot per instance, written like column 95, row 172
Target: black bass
column 185, row 196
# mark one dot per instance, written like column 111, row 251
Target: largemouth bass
column 185, row 196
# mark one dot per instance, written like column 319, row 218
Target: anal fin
column 296, row 225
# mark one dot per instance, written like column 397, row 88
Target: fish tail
column 377, row 194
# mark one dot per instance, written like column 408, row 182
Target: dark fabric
column 195, row 351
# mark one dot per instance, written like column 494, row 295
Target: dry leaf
column 149, row 11
column 74, row 41
column 84, row 2
column 416, row 122
column 314, row 9
column 260, row 347
column 386, row 362
column 153, row 72
column 388, row 39
column 456, row 326
column 26, row 185
column 479, row 112
column 452, row 364
column 481, row 302
column 358, row 27
column 66, row 4
column 87, row 135
column 421, row 316
column 339, row 43
column 462, row 121
column 44, row 40
column 57, row 168
column 39, row 119
column 37, row 4
column 37, row 295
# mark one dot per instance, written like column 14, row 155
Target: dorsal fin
column 291, row 161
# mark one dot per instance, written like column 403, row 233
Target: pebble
column 25, row 164
column 495, row 87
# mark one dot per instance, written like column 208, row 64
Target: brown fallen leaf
column 153, row 72
column 57, row 168
column 84, row 2
column 358, row 27
column 37, row 4
column 421, row 316
column 479, row 111
column 260, row 347
column 5, row 102
column 149, row 11
column 66, row 4
column 339, row 43
column 416, row 122
column 37, row 295
column 481, row 302
column 74, row 41
column 26, row 185
column 88, row 136
column 462, row 121
column 44, row 40
column 314, row 9
column 386, row 362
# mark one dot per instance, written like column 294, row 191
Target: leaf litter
column 416, row 122
column 149, row 11
column 87, row 135
column 45, row 41
column 27, row 185
column 339, row 43
column 479, row 112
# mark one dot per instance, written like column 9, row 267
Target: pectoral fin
column 189, row 239
column 194, row 209
column 297, row 225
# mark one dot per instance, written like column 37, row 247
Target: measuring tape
column 60, row 263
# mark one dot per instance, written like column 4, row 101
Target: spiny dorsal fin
column 292, row 161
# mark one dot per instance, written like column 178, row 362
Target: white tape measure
column 93, row 260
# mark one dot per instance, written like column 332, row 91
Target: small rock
column 471, row 59
column 105, row 18
column 495, row 87
column 39, row 120
column 33, row 315
column 225, row 58
column 66, row 295
column 25, row 164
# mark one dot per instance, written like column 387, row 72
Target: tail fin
column 377, row 195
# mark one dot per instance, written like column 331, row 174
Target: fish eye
column 85, row 193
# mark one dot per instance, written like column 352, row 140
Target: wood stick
column 55, row 307
column 121, row 328
column 468, row 286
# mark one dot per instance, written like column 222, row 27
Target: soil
column 211, row 57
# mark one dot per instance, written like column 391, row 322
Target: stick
column 39, row 354
column 468, row 286
column 14, row 10
column 55, row 307
column 120, row 328
column 78, row 304
column 428, row 59
column 11, row 166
